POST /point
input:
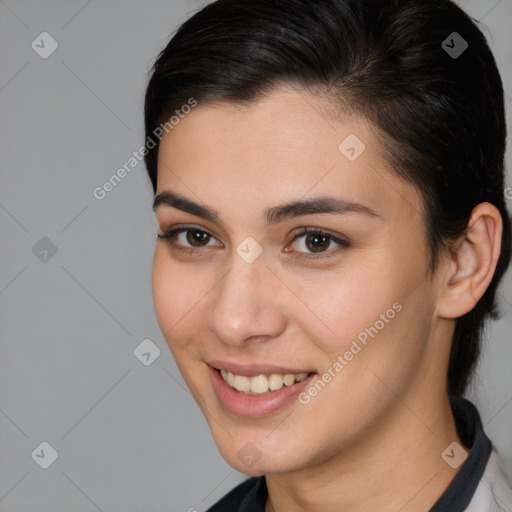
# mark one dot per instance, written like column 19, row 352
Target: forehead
column 283, row 147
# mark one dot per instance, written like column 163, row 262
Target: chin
column 255, row 456
column 264, row 466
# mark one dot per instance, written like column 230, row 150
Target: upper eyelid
column 309, row 230
column 188, row 227
column 178, row 230
column 298, row 233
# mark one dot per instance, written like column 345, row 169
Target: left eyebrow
column 274, row 215
column 325, row 204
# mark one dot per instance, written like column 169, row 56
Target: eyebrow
column 274, row 215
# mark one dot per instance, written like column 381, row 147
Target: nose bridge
column 245, row 304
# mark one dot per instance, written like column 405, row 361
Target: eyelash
column 170, row 237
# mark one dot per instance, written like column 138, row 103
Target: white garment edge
column 494, row 491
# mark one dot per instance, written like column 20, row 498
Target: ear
column 472, row 262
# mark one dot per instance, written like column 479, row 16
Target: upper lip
column 251, row 370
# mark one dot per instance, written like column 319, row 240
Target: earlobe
column 473, row 262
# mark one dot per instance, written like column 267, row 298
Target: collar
column 459, row 493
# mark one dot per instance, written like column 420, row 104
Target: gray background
column 129, row 437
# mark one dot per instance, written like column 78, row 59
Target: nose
column 246, row 306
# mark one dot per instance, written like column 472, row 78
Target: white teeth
column 242, row 383
column 275, row 382
column 289, row 379
column 228, row 377
column 261, row 384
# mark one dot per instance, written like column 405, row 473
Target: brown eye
column 197, row 238
column 313, row 242
column 317, row 242
column 188, row 239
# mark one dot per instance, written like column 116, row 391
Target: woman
column 332, row 231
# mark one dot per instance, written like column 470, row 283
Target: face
column 298, row 267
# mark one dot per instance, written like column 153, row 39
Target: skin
column 372, row 438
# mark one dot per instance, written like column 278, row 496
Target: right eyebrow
column 168, row 198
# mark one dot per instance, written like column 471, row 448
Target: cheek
column 373, row 314
column 335, row 307
column 177, row 296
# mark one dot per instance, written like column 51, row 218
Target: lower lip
column 255, row 405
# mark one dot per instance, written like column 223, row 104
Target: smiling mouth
column 261, row 384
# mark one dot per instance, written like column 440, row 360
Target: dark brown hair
column 442, row 114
